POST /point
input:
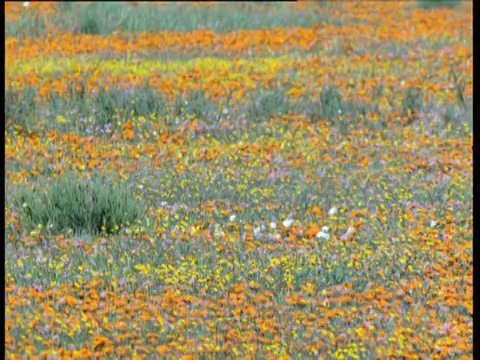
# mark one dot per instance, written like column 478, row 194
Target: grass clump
column 104, row 18
column 331, row 105
column 432, row 4
column 412, row 103
column 83, row 205
column 21, row 107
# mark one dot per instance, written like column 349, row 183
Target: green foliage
column 87, row 114
column 460, row 86
column 21, row 107
column 331, row 105
column 89, row 20
column 102, row 18
column 266, row 104
column 84, row 205
column 104, row 112
column 196, row 104
column 460, row 117
column 412, row 102
column 432, row 4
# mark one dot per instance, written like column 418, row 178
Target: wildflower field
column 238, row 180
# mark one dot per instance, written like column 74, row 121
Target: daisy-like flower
column 273, row 225
column 287, row 223
column 333, row 211
column 232, row 218
column 323, row 234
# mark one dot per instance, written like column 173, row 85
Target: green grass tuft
column 432, row 4
column 83, row 205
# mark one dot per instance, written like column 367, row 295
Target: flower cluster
column 307, row 182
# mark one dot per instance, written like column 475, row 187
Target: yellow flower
column 61, row 119
column 142, row 269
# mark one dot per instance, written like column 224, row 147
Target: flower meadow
column 238, row 180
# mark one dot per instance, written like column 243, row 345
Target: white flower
column 287, row 223
column 325, row 229
column 323, row 235
column 349, row 232
column 433, row 223
column 273, row 225
column 154, row 133
column 232, row 218
column 163, row 203
column 26, row 4
column 140, row 187
column 333, row 211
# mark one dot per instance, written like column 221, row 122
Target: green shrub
column 83, row 205
column 327, row 107
column 460, row 117
column 89, row 21
column 431, row 4
column 412, row 103
column 21, row 108
column 195, row 103
column 331, row 105
column 265, row 104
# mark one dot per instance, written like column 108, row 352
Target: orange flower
column 99, row 342
column 312, row 230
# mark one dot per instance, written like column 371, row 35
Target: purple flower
column 258, row 236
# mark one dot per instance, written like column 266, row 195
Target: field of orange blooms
column 238, row 180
